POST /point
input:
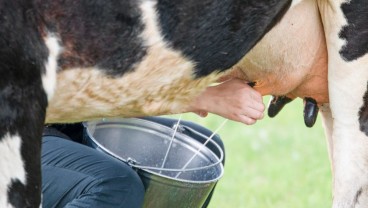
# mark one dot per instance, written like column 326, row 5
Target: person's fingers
column 246, row 120
column 257, row 97
column 254, row 99
column 252, row 113
column 256, row 104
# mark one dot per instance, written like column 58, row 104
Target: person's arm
column 233, row 99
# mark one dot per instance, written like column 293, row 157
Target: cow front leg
column 348, row 76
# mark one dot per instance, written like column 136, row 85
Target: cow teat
column 310, row 111
column 276, row 104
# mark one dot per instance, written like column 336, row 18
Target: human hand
column 233, row 99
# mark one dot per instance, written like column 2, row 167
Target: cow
column 68, row 61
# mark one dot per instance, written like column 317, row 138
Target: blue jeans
column 74, row 175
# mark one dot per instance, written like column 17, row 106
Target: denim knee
column 126, row 190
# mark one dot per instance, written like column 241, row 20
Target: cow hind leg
column 28, row 73
column 345, row 30
column 21, row 122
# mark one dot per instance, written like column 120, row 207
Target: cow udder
column 291, row 59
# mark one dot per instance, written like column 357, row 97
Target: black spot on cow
column 15, row 194
column 101, row 33
column 363, row 114
column 216, row 34
column 356, row 31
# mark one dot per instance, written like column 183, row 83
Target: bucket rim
column 149, row 169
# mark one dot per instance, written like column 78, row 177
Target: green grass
column 276, row 163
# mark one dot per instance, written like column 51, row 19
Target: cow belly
column 291, row 59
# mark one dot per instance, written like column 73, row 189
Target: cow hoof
column 276, row 104
column 310, row 112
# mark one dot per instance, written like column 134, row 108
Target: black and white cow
column 66, row 61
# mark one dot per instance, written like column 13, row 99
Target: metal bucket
column 143, row 145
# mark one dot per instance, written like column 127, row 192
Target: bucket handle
column 182, row 128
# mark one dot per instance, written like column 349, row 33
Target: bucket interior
column 145, row 143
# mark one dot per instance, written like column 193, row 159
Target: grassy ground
column 276, row 163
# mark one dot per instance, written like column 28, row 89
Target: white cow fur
column 49, row 78
column 11, row 165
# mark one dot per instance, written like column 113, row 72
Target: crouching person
column 75, row 175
